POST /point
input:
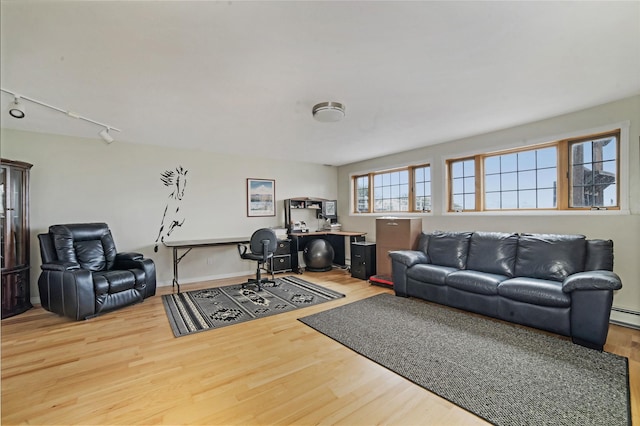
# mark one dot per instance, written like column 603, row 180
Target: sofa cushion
column 475, row 282
column 433, row 274
column 423, row 242
column 493, row 252
column 535, row 291
column 449, row 248
column 550, row 256
column 599, row 255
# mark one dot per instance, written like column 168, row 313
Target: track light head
column 104, row 134
column 16, row 109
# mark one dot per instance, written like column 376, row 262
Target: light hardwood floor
column 127, row 368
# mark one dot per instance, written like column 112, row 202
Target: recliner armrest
column 592, row 280
column 128, row 256
column 409, row 257
column 60, row 265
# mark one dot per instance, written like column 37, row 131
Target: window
column 521, row 180
column 579, row 173
column 407, row 189
column 422, row 192
column 593, row 173
column 463, row 185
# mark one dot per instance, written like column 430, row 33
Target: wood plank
column 127, row 368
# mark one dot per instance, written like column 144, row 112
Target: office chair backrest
column 263, row 234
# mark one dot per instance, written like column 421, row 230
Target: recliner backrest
column 88, row 244
column 449, row 248
column 550, row 256
column 493, row 252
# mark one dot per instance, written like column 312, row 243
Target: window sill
column 619, row 212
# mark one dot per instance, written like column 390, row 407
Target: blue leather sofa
column 559, row 283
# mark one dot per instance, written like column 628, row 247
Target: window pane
column 547, row 178
column 492, row 165
column 526, row 160
column 469, row 168
column 458, row 187
column 527, row 180
column 492, row 183
column 509, row 181
column 419, row 189
column 509, row 163
column 492, row 200
column 469, row 202
column 456, row 169
column 395, row 178
column 594, row 173
column 527, row 199
column 469, row 185
column 458, row 202
column 546, row 198
column 608, row 147
column 427, row 173
column 509, row 200
column 546, row 157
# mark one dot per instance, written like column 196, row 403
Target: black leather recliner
column 84, row 276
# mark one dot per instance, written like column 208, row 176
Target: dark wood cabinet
column 363, row 259
column 14, row 232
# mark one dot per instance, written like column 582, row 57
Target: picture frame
column 261, row 197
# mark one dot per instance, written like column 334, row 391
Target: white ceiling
column 242, row 77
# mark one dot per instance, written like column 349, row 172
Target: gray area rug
column 201, row 310
column 505, row 374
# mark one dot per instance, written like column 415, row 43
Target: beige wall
column 85, row 180
column 623, row 229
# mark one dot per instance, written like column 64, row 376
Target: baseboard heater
column 626, row 312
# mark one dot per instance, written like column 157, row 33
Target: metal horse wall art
column 172, row 218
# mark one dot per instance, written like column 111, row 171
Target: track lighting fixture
column 17, row 110
column 104, row 134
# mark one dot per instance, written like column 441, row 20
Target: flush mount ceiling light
column 327, row 112
column 17, row 110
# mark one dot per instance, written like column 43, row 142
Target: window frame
column 563, row 158
column 411, row 209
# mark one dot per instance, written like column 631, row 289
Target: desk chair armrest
column 242, row 249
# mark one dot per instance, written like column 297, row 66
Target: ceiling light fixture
column 17, row 110
column 328, row 112
column 104, row 134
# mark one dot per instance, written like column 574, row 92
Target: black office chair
column 263, row 244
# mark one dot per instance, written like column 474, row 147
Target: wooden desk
column 336, row 238
column 191, row 244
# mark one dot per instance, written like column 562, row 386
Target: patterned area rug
column 201, row 310
column 505, row 374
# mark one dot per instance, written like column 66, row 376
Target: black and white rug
column 201, row 310
column 505, row 374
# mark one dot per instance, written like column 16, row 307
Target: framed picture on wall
column 261, row 197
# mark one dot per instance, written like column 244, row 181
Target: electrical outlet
column 209, row 260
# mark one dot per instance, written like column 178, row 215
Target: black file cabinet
column 363, row 259
column 281, row 261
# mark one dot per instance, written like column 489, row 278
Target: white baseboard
column 625, row 318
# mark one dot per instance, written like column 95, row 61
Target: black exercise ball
column 318, row 256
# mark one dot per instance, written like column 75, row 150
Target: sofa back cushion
column 550, row 256
column 493, row 252
column 599, row 255
column 449, row 248
column 423, row 242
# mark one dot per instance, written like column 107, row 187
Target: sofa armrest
column 128, row 256
column 592, row 280
column 60, row 265
column 408, row 257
